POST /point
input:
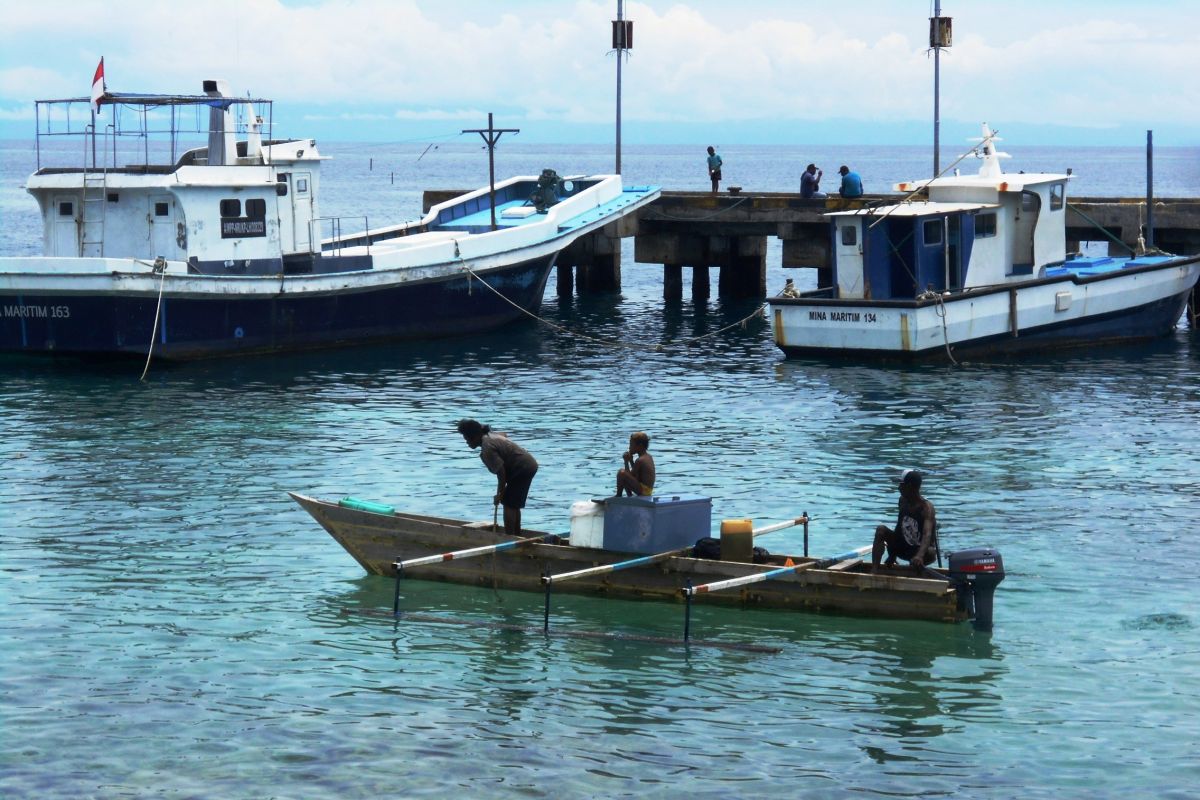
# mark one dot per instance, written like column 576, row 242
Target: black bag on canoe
column 708, row 547
column 761, row 555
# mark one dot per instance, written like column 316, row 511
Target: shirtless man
column 637, row 478
column 916, row 521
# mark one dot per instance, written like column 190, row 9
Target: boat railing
column 146, row 130
column 335, row 242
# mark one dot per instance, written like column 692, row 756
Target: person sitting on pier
column 851, row 183
column 913, row 538
column 714, row 168
column 810, row 182
column 637, row 478
column 512, row 465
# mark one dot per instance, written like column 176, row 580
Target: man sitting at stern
column 913, row 538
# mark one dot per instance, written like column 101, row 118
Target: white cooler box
column 587, row 524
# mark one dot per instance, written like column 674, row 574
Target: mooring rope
column 159, row 266
column 1101, row 228
column 940, row 310
column 760, row 311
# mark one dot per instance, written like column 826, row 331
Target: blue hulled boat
column 222, row 249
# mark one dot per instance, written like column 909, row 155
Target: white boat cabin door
column 65, row 228
column 300, row 191
column 162, row 226
column 1023, row 227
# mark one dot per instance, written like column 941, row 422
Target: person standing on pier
column 810, row 182
column 851, row 183
column 512, row 465
column 637, row 478
column 714, row 168
column 914, row 538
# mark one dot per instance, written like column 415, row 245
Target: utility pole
column 622, row 42
column 490, row 136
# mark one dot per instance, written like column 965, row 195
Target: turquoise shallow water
column 174, row 626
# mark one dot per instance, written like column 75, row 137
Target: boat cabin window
column 985, row 225
column 301, row 185
column 931, row 231
column 849, row 235
column 161, row 210
column 1056, row 197
column 113, row 197
column 231, row 208
column 66, row 209
column 256, row 207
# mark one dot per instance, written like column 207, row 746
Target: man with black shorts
column 512, row 465
column 913, row 537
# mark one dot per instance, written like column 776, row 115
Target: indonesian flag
column 98, row 86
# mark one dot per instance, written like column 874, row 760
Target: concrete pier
column 700, row 230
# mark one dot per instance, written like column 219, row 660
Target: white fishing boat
column 976, row 264
column 222, row 249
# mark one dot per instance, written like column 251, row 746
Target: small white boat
column 972, row 265
column 223, row 250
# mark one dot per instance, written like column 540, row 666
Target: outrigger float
column 656, row 561
column 223, row 249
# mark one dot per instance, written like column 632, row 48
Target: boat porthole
column 238, row 332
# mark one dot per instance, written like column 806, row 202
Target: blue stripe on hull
column 199, row 328
column 1128, row 325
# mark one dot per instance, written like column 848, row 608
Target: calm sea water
column 173, row 625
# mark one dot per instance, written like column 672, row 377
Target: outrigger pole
column 549, row 580
column 690, row 591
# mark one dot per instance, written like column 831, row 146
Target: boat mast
column 939, row 37
column 490, row 136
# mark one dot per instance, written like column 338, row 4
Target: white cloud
column 706, row 62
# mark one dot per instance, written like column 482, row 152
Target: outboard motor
column 975, row 574
column 546, row 193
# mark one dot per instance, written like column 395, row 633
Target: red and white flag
column 98, row 86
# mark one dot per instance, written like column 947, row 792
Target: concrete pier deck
column 700, row 230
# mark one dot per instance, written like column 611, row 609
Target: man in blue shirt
column 714, row 168
column 851, row 183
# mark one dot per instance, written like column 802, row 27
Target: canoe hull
column 378, row 540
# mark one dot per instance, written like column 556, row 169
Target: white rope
column 160, row 266
column 940, row 310
column 629, row 346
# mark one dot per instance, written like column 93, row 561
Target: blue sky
column 1073, row 72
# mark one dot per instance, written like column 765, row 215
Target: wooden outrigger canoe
column 379, row 539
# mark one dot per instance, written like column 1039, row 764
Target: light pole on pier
column 939, row 37
column 622, row 42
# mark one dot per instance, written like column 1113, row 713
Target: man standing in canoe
column 914, row 538
column 512, row 465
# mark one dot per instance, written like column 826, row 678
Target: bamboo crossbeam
column 604, row 569
column 731, row 583
column 470, row 552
